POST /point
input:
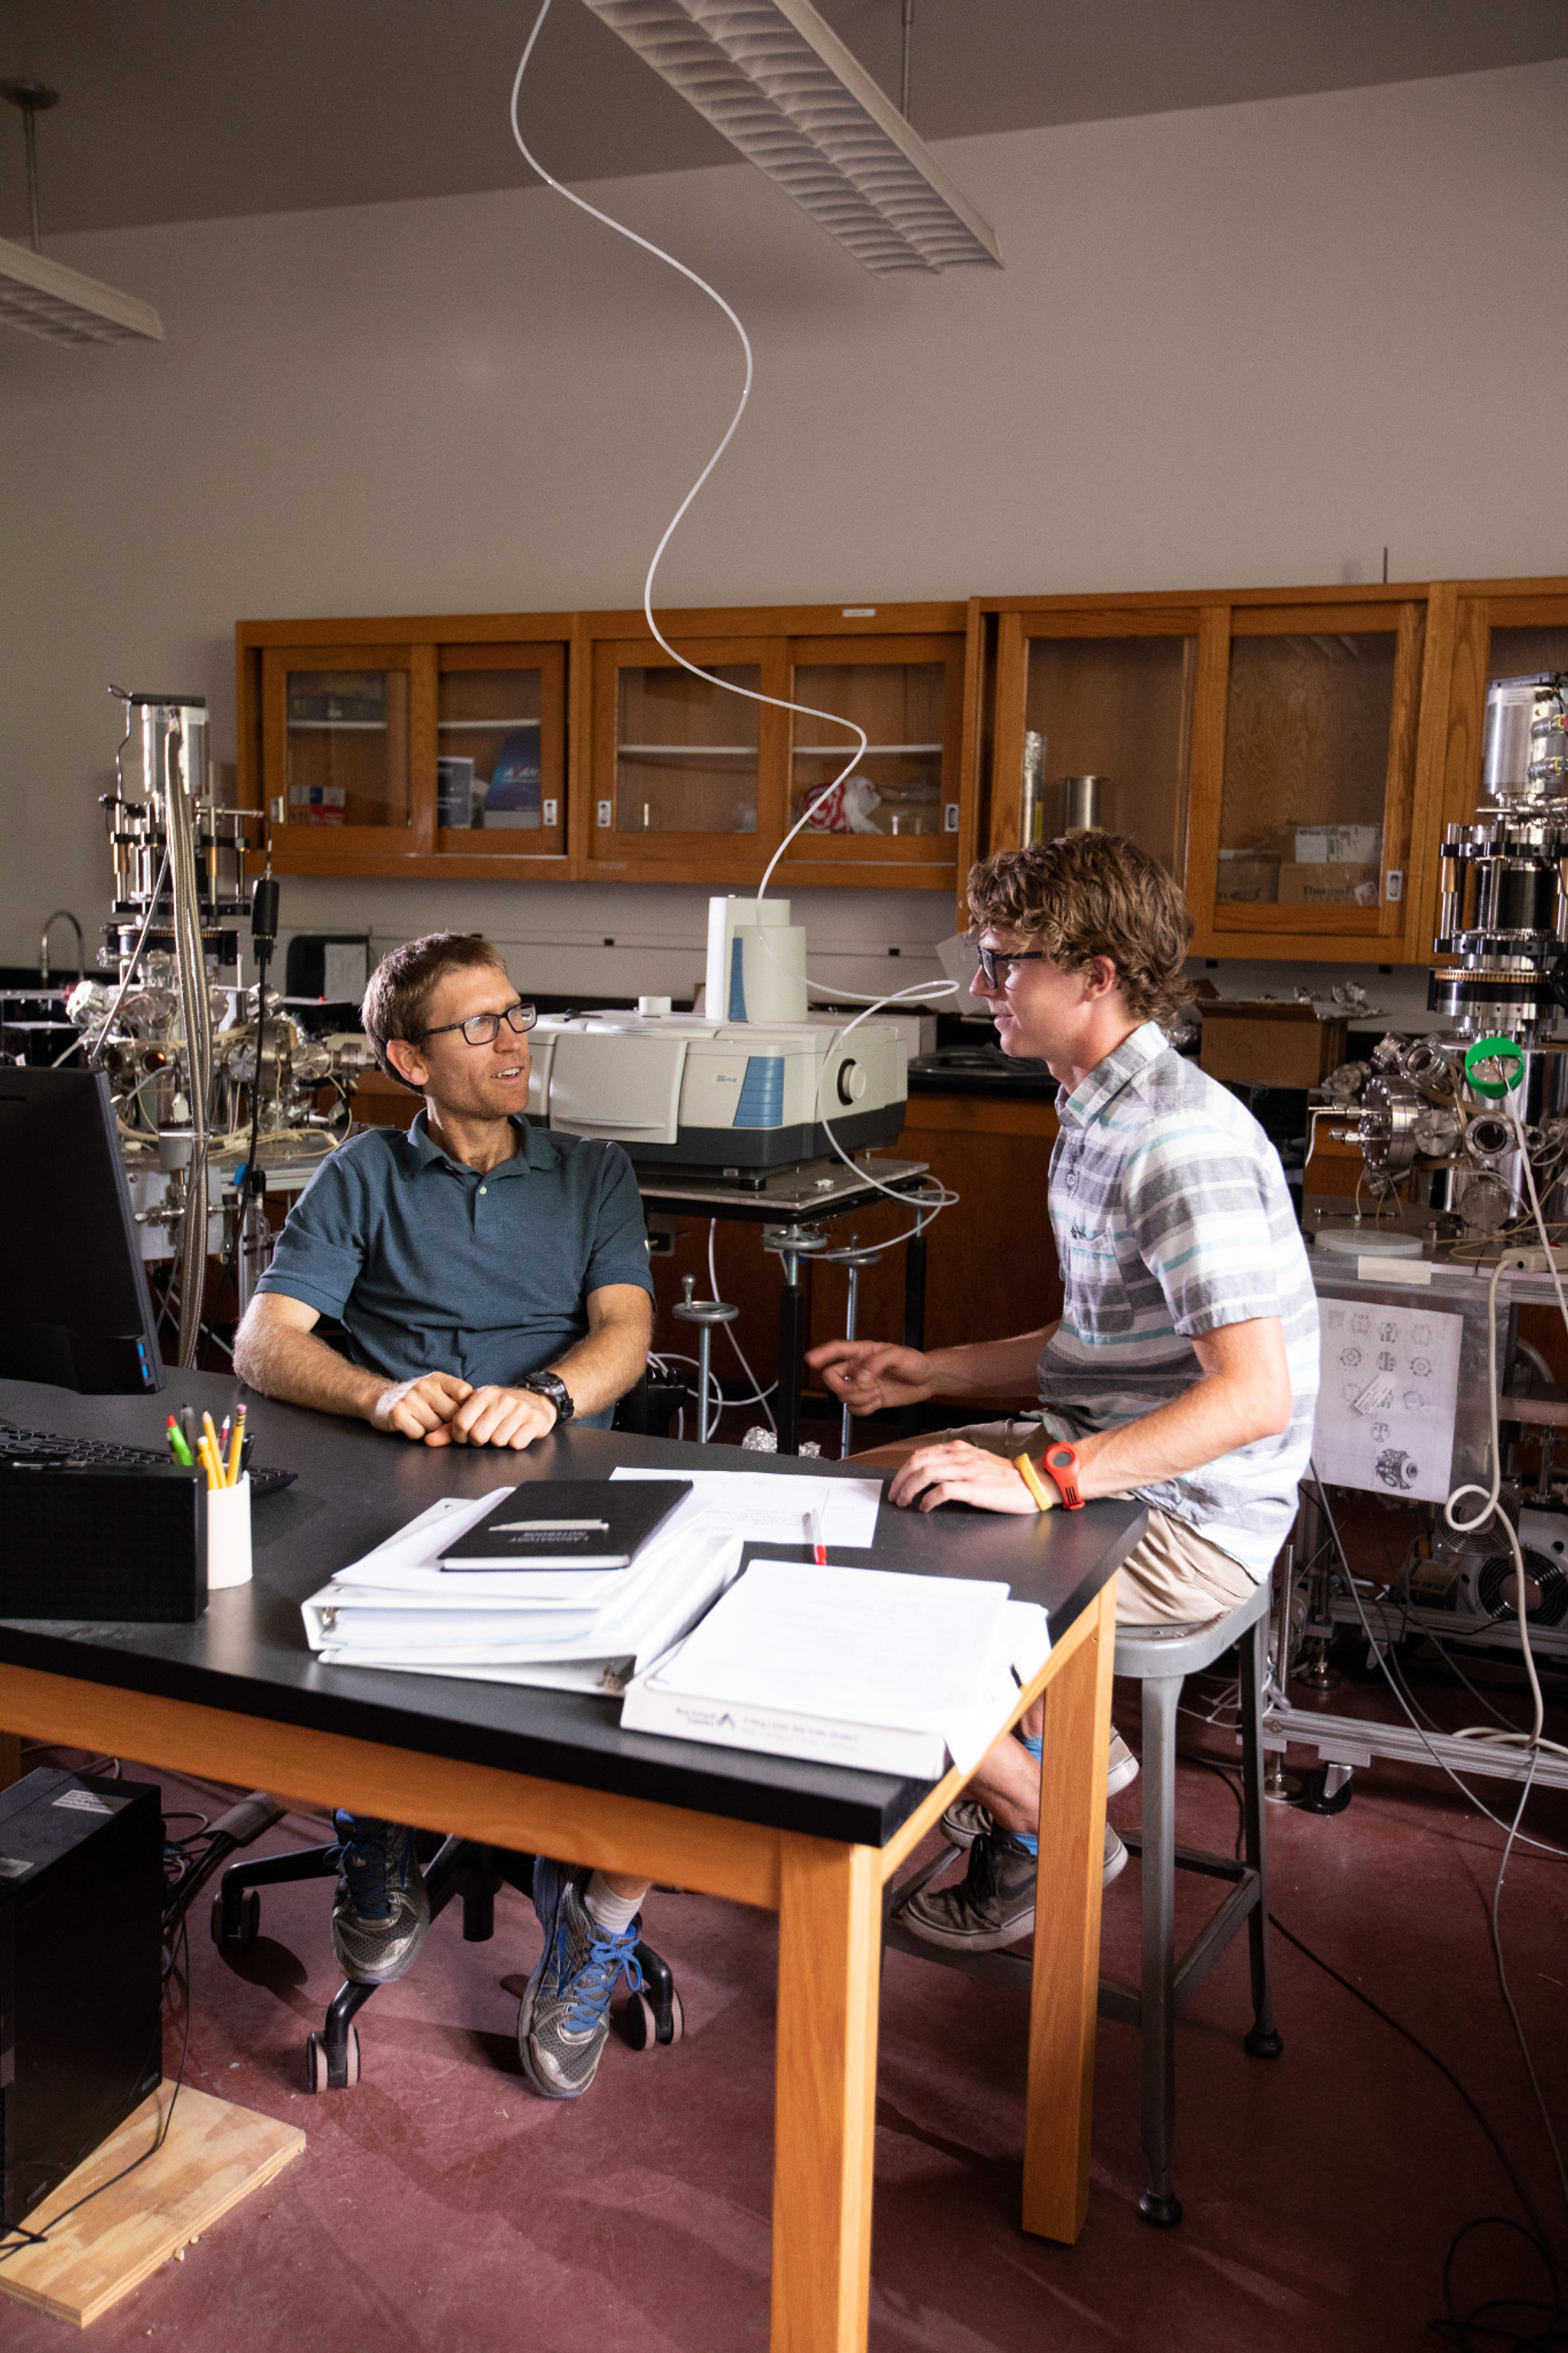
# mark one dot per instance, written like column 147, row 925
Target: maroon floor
column 440, row 2205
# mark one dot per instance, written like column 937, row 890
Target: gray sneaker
column 965, row 1821
column 962, row 1916
column 1124, row 1766
column 380, row 1912
column 564, row 2019
column 992, row 1905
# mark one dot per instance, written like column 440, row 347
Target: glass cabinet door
column 1308, row 721
column 682, row 768
column 1116, row 710
column 341, row 739
column 500, row 751
column 1093, row 726
column 686, row 753
column 899, row 805
column 1303, row 782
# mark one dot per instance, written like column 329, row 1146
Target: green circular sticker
column 1507, row 1061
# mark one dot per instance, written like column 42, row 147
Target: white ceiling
column 191, row 110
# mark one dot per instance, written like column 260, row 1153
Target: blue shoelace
column 609, row 1956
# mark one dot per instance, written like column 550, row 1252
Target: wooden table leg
column 1064, row 1994
column 10, row 1758
column 829, row 1971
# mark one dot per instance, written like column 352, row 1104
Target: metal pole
column 908, row 27
column 853, row 1274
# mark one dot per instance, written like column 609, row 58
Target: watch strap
column 552, row 1385
column 1061, row 1465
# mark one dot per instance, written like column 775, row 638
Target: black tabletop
column 354, row 1487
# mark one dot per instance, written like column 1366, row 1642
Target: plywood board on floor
column 215, row 2155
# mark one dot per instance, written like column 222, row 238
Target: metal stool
column 1159, row 1657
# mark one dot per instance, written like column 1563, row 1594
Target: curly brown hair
column 398, row 993
column 1093, row 894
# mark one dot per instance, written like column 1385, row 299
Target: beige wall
column 1249, row 345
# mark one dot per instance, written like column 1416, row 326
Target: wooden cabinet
column 688, row 783
column 1265, row 744
column 435, row 746
column 511, row 746
column 1501, row 628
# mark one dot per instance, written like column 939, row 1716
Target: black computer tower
column 81, row 1944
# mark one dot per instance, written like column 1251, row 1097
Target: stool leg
column 1159, row 2204
column 1262, row 2042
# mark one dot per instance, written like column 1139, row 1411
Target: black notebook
column 568, row 1524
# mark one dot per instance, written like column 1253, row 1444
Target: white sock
column 609, row 1910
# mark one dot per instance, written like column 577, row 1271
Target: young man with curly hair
column 1183, row 1368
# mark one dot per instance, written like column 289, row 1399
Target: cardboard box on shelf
column 1339, row 845
column 1310, row 884
column 1257, row 1042
column 1248, row 879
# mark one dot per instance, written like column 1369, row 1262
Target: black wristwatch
column 551, row 1386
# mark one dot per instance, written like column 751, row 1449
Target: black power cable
column 1542, row 2326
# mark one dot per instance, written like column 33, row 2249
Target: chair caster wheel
column 639, row 2023
column 1264, row 2044
column 1162, row 2214
column 317, row 2078
column 249, row 1926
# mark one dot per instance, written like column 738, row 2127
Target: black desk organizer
column 91, row 1541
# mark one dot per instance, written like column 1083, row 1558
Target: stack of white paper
column 852, row 1666
column 583, row 1630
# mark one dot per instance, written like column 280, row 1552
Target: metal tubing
column 853, row 1274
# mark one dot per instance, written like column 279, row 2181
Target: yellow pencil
column 236, row 1443
column 209, row 1461
column 210, row 1434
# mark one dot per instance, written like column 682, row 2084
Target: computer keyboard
column 49, row 1446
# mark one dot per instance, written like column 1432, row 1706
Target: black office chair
column 452, row 1867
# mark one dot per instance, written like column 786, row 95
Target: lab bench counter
column 248, row 1655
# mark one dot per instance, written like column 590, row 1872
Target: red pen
column 814, row 1530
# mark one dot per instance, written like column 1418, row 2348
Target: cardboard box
column 1307, row 884
column 1339, row 845
column 1254, row 1042
column 1253, row 879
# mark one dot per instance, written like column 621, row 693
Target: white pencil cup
column 228, row 1534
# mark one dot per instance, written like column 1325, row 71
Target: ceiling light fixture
column 43, row 297
column 782, row 87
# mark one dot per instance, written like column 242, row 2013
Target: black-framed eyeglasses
column 992, row 958
column 484, row 1029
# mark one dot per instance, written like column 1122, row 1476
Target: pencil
column 210, row 1434
column 209, row 1464
column 235, row 1444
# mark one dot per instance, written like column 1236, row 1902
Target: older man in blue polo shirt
column 492, row 1278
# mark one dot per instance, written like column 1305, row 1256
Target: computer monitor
column 75, row 1308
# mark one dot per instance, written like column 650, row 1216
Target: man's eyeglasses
column 992, row 959
column 484, row 1029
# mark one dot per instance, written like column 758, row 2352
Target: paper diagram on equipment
column 1387, row 1399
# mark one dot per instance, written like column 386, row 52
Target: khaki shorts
column 1173, row 1577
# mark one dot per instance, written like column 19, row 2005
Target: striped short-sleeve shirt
column 1172, row 1218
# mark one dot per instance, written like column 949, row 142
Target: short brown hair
column 1088, row 895
column 398, row 993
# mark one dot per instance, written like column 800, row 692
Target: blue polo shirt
column 433, row 1267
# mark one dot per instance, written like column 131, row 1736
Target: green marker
column 177, row 1447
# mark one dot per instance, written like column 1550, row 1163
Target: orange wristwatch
column 1061, row 1465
